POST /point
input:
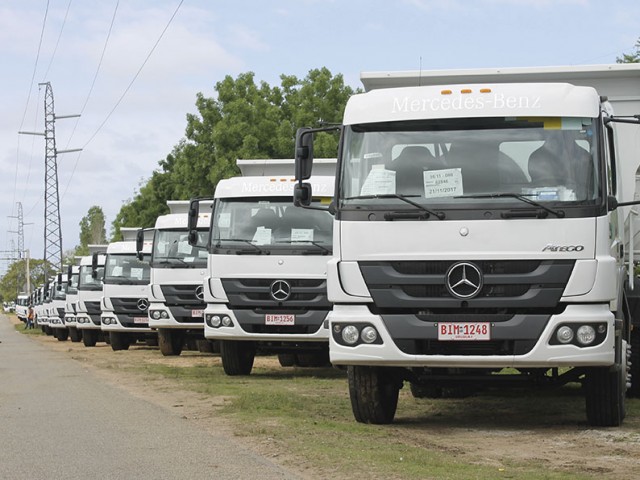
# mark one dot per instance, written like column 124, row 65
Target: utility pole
column 52, row 224
column 20, row 230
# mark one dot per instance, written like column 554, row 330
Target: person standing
column 29, row 318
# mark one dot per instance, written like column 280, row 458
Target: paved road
column 57, row 421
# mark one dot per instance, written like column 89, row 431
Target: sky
column 133, row 68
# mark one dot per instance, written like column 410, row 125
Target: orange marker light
column 485, row 90
column 465, row 90
column 446, row 92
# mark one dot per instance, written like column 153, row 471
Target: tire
column 237, row 357
column 170, row 341
column 48, row 330
column 119, row 341
column 75, row 335
column 287, row 359
column 62, row 334
column 605, row 391
column 634, row 364
column 89, row 338
column 374, row 394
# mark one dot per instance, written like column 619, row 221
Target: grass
column 307, row 413
column 32, row 331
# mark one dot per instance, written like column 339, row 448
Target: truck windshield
column 126, row 269
column 464, row 163
column 72, row 286
column 86, row 280
column 267, row 225
column 60, row 294
column 171, row 249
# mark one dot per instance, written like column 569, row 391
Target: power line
column 55, row 49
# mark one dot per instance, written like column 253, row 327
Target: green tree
column 631, row 57
column 245, row 120
column 14, row 281
column 92, row 230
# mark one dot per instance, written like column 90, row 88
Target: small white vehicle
column 125, row 301
column 90, row 295
column 266, row 284
column 22, row 306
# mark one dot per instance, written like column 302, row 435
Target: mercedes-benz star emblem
column 280, row 290
column 143, row 304
column 464, row 280
column 200, row 292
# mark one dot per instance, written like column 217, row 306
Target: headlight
column 586, row 335
column 369, row 334
column 216, row 321
column 564, row 334
column 350, row 335
column 226, row 321
column 155, row 314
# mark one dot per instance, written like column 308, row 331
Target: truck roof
column 274, row 186
column 176, row 221
column 127, row 247
column 610, row 79
column 282, row 166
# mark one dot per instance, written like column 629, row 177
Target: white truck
column 176, row 299
column 22, row 306
column 266, row 285
column 71, row 301
column 58, row 294
column 479, row 222
column 125, row 292
column 88, row 311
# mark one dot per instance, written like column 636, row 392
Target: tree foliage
column 246, row 120
column 631, row 57
column 92, row 230
column 14, row 281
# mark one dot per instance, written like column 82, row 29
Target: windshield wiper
column 522, row 198
column 325, row 250
column 248, row 242
column 405, row 199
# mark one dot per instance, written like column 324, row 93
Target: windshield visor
column 450, row 163
column 171, row 249
column 271, row 225
column 127, row 269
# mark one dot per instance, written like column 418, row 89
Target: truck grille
column 306, row 294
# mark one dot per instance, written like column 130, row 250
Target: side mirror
column 302, row 194
column 94, row 265
column 59, row 278
column 69, row 273
column 192, row 222
column 139, row 244
column 304, row 153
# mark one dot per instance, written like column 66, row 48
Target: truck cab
column 176, row 301
column 90, row 295
column 125, row 304
column 480, row 227
column 56, row 308
column 71, row 300
column 266, row 283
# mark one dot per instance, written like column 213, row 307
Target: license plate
column 271, row 319
column 140, row 320
column 478, row 331
column 197, row 313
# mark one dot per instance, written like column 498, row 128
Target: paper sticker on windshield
column 224, row 220
column 443, row 183
column 262, row 236
column 302, row 234
column 184, row 248
column 379, row 182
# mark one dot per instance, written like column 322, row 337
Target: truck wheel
column 89, row 338
column 374, row 394
column 287, row 359
column 170, row 342
column 634, row 363
column 237, row 357
column 605, row 389
column 62, row 334
column 119, row 341
column 75, row 335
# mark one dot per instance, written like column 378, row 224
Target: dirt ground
column 565, row 446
